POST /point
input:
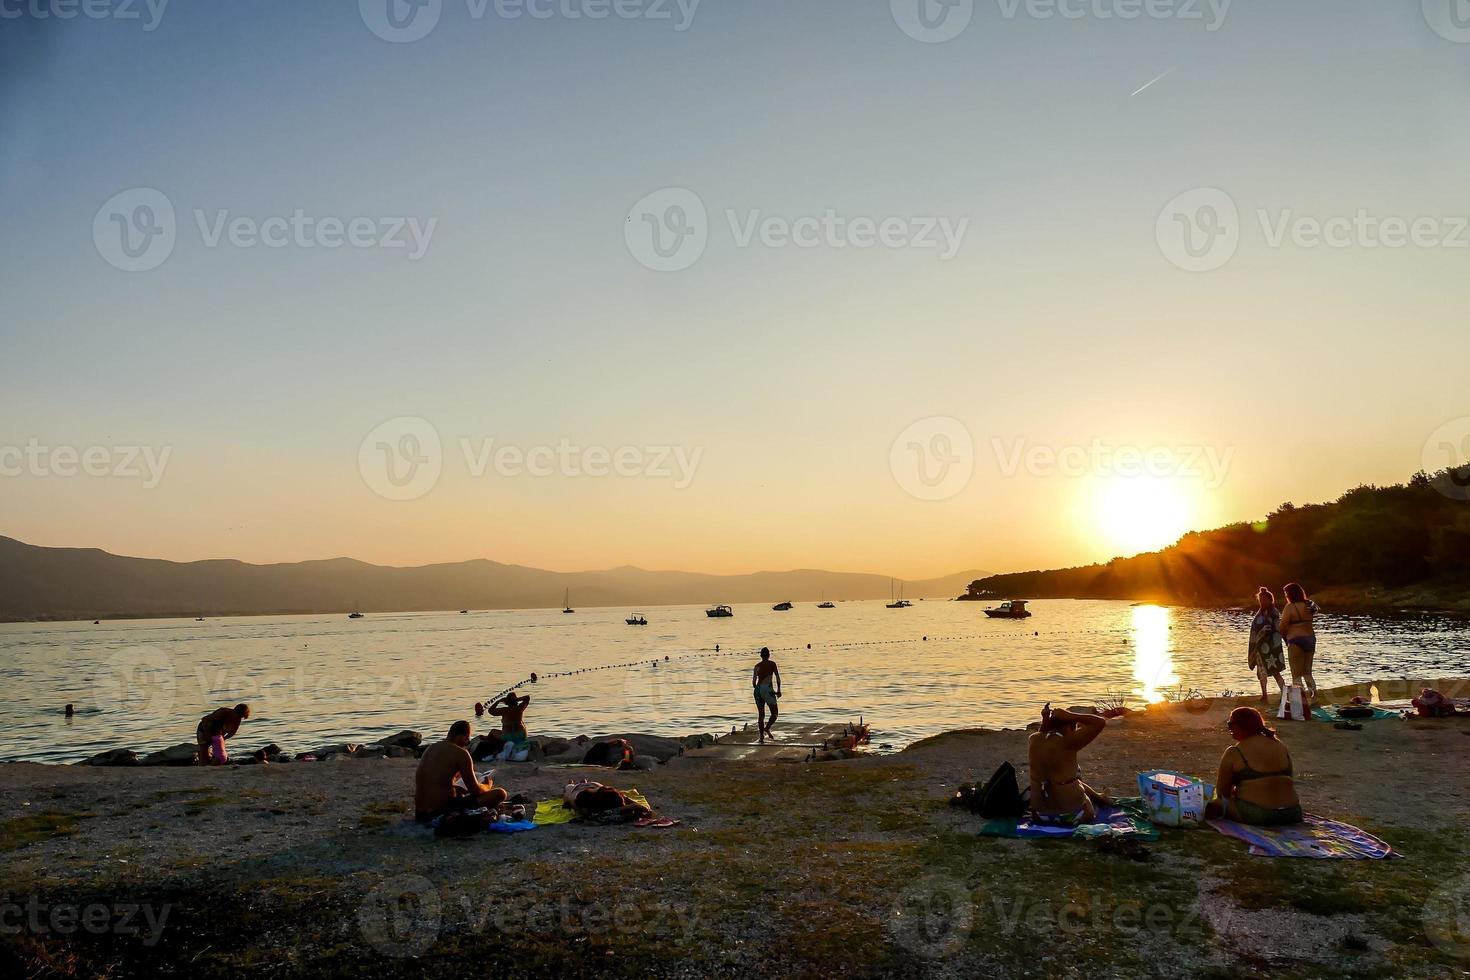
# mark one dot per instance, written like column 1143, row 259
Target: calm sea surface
column 317, row 679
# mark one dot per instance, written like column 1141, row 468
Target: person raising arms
column 1058, row 794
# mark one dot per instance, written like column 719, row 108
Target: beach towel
column 510, row 826
column 1316, row 837
column 1329, row 713
column 550, row 812
column 1129, row 818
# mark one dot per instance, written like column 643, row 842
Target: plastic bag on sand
column 1293, row 705
column 1174, row 799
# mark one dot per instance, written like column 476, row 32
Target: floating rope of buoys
column 705, row 653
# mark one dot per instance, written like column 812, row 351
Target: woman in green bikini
column 1255, row 783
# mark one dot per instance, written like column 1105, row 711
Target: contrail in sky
column 1146, row 84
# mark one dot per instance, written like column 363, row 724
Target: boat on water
column 566, row 602
column 826, row 604
column 719, row 612
column 637, row 619
column 782, row 607
column 354, row 615
column 464, row 612
column 1010, row 609
column 898, row 602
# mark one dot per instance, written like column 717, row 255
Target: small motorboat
column 719, row 612
column 782, row 607
column 637, row 619
column 1010, row 609
column 354, row 615
column 826, row 604
column 464, row 612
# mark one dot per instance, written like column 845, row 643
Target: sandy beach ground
column 852, row 868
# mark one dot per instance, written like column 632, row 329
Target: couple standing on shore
column 1284, row 637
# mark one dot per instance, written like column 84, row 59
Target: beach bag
column 1001, row 795
column 1174, row 799
column 1293, row 705
column 466, row 823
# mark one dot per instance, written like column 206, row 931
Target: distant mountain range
column 39, row 583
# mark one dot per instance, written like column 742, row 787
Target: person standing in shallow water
column 766, row 680
column 1267, row 655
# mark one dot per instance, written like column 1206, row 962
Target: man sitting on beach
column 214, row 728
column 434, row 790
column 511, row 711
column 765, row 694
column 1058, row 794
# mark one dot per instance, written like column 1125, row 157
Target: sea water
column 312, row 680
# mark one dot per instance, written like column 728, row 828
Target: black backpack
column 1000, row 796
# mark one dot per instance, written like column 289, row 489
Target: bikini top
column 1247, row 773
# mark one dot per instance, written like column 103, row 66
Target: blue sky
column 527, row 320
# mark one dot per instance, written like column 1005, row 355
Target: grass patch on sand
column 34, row 828
column 381, row 815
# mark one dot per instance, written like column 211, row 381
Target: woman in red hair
column 1255, row 783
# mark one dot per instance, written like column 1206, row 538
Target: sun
column 1137, row 514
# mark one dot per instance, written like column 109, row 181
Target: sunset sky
column 815, row 391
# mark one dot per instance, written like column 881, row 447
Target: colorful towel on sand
column 1317, row 837
column 510, row 826
column 1329, row 713
column 1128, row 819
column 550, row 812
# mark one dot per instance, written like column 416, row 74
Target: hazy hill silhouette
column 86, row 583
column 1405, row 545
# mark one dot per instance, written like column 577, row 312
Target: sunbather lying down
column 592, row 799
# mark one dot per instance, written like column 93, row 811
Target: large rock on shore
column 113, row 757
column 404, row 739
column 347, row 749
column 183, row 754
column 661, row 748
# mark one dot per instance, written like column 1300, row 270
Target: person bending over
column 1058, row 794
column 435, row 792
column 1255, row 783
column 214, row 728
column 766, row 694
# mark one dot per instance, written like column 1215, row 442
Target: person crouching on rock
column 214, row 728
column 434, row 791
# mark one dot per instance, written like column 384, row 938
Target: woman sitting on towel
column 1255, row 785
column 1058, row 795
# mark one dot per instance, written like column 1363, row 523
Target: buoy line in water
column 704, row 653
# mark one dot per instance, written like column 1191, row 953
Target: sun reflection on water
column 1153, row 663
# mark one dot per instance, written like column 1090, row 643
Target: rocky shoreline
column 650, row 750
